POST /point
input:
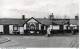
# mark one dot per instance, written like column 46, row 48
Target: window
column 15, row 27
column 32, row 26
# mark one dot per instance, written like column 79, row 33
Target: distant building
column 28, row 26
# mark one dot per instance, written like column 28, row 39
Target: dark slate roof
column 74, row 22
column 8, row 21
column 61, row 21
column 44, row 21
column 54, row 21
column 20, row 22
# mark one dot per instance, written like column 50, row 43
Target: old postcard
column 39, row 24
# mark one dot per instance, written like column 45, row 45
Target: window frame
column 16, row 27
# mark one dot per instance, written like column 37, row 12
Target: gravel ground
column 42, row 41
column 4, row 40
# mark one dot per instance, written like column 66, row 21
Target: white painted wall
column 21, row 30
column 65, row 27
column 1, row 28
column 11, row 29
column 51, row 26
column 44, row 27
column 56, row 27
column 68, row 27
column 75, row 27
column 39, row 26
column 24, row 26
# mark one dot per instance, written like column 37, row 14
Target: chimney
column 76, row 17
column 51, row 16
column 23, row 17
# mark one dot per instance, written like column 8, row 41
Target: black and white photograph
column 39, row 24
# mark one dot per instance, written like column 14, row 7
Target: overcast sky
column 38, row 8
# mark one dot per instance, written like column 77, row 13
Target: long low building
column 28, row 26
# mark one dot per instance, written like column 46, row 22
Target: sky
column 38, row 8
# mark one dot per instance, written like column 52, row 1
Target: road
column 41, row 41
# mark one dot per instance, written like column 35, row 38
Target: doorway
column 6, row 29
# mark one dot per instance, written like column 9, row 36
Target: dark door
column 6, row 29
column 42, row 27
column 61, row 27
